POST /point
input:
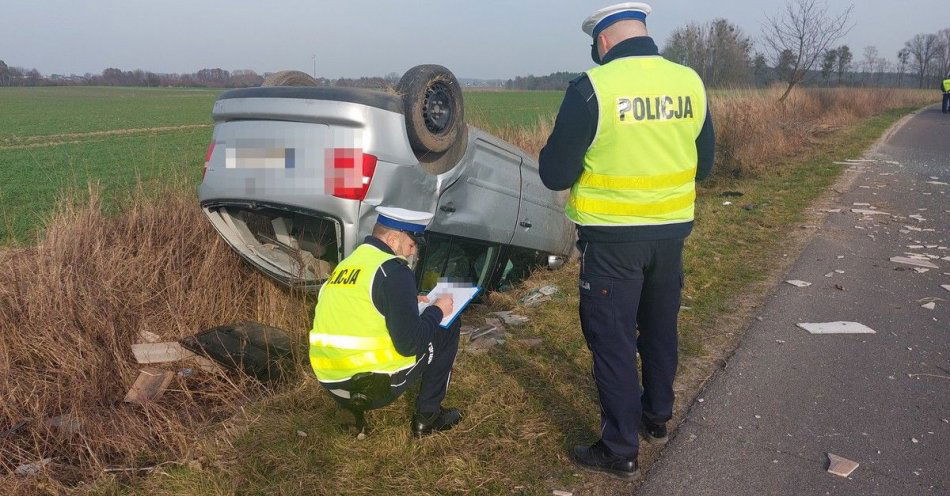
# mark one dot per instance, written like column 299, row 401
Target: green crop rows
column 59, row 139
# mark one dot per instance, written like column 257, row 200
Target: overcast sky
column 474, row 38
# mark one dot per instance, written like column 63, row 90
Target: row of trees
column 797, row 47
column 206, row 78
column 210, row 78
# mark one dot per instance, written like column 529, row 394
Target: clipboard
column 462, row 296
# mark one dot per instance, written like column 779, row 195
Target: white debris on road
column 799, row 284
column 864, row 211
column 929, row 306
column 840, row 465
column 914, row 261
column 839, row 327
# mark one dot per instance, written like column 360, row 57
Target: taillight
column 349, row 172
column 207, row 159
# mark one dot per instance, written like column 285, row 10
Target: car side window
column 453, row 258
column 518, row 265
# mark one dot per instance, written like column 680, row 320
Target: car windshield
column 455, row 259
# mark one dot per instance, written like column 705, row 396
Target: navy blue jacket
column 562, row 158
column 394, row 295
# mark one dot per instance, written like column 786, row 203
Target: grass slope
column 525, row 406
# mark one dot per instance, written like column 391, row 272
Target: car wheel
column 289, row 78
column 433, row 106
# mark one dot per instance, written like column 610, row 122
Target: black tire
column 289, row 78
column 433, row 106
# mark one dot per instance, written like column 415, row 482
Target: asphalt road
column 764, row 424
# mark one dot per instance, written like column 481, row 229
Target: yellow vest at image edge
column 349, row 335
column 640, row 168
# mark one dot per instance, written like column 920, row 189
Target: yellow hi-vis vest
column 640, row 168
column 946, row 85
column 349, row 335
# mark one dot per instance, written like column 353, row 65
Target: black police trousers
column 433, row 369
column 946, row 102
column 626, row 288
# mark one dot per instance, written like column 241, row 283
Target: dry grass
column 753, row 131
column 71, row 306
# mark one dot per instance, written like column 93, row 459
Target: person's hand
column 445, row 303
column 423, row 299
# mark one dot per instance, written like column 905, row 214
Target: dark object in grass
column 731, row 194
column 17, row 427
column 263, row 352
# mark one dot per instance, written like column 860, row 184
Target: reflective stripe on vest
column 349, row 335
column 640, row 168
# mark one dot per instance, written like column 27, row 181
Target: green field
column 51, row 111
column 53, row 139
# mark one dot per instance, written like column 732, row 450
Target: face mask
column 593, row 53
column 412, row 261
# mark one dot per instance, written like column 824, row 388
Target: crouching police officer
column 369, row 342
column 631, row 138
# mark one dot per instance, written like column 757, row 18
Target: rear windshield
column 304, row 248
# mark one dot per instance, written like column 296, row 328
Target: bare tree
column 868, row 62
column 944, row 36
column 760, row 70
column 828, row 62
column 785, row 65
column 881, row 67
column 718, row 51
column 807, row 29
column 924, row 48
column 903, row 56
column 844, row 61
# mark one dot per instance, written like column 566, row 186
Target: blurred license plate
column 259, row 158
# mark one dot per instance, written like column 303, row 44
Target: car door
column 483, row 202
column 541, row 222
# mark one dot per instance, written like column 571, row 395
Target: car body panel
column 265, row 189
column 489, row 187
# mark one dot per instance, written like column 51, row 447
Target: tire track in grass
column 19, row 142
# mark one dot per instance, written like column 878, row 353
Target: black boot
column 598, row 457
column 654, row 433
column 426, row 423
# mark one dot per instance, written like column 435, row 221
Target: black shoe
column 598, row 457
column 654, row 433
column 443, row 420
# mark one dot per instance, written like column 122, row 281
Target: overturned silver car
column 294, row 173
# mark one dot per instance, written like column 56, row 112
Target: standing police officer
column 369, row 342
column 631, row 138
column 945, row 86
